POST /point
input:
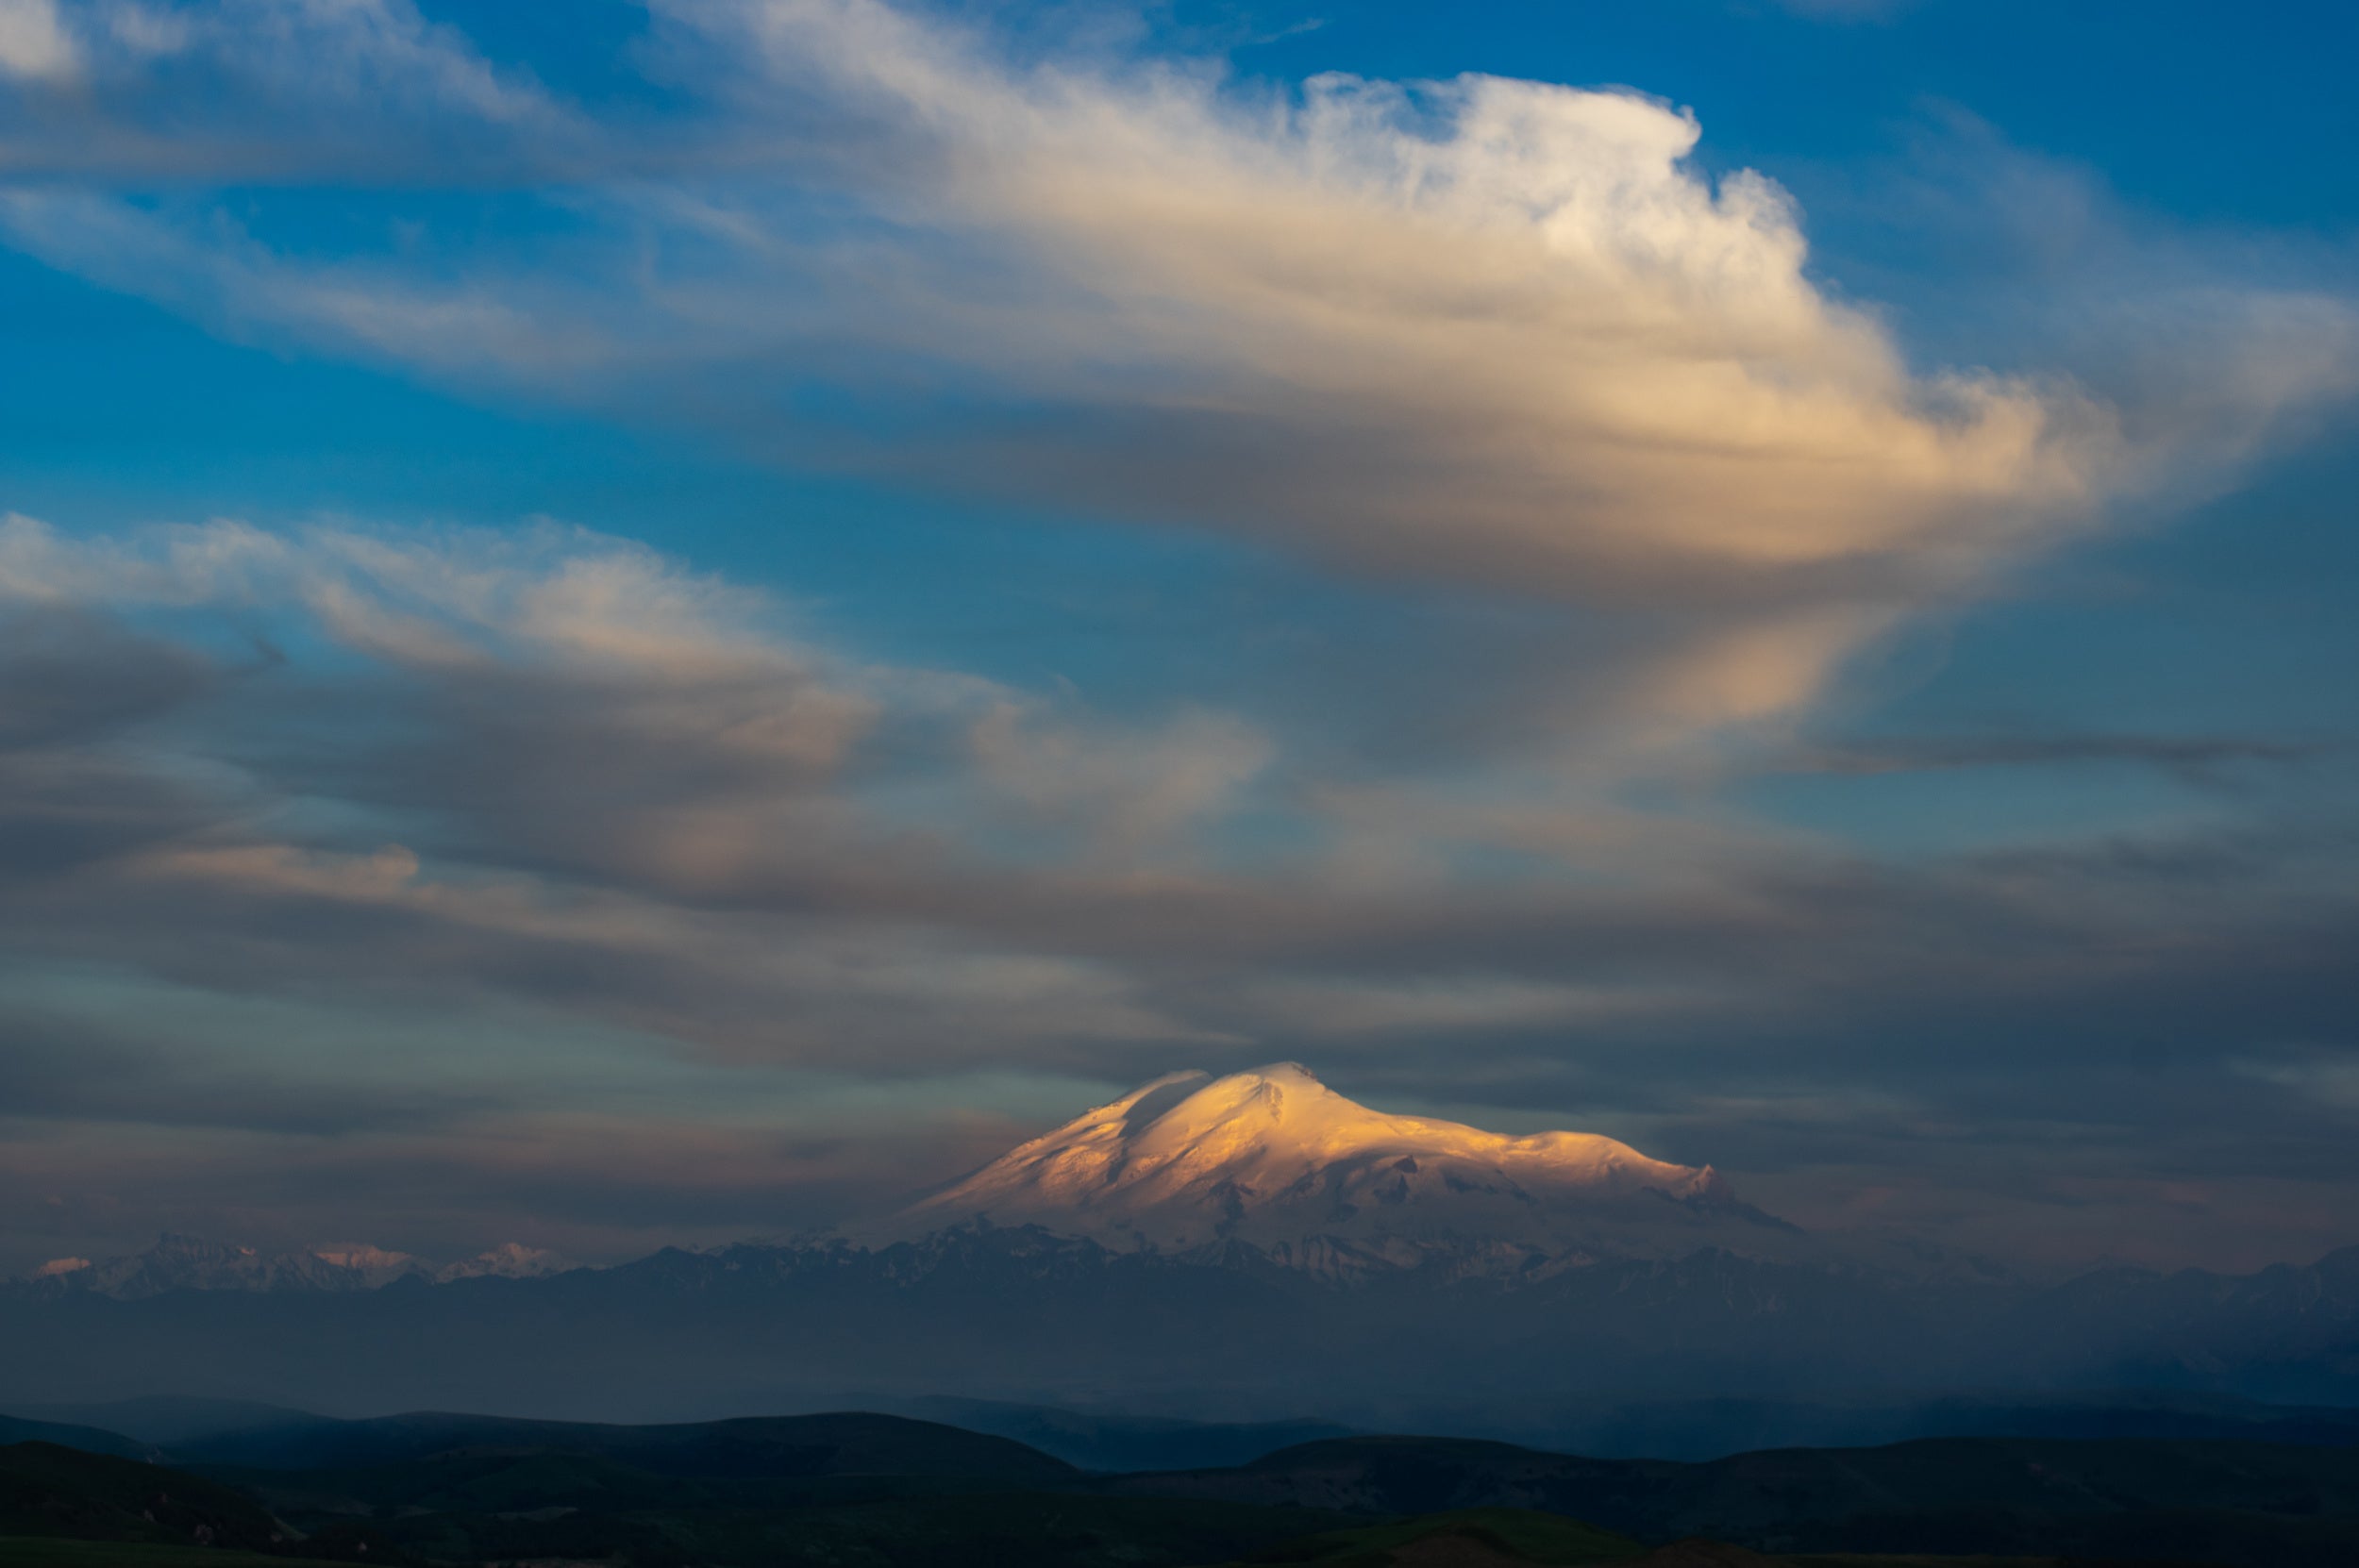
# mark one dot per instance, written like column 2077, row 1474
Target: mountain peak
column 1274, row 1156
column 1284, row 1072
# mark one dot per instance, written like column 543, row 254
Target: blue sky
column 640, row 623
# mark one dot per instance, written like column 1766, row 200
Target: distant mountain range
column 194, row 1263
column 1271, row 1165
column 1248, row 1248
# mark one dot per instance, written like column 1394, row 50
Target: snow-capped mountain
column 1267, row 1167
column 508, row 1260
column 373, row 1265
column 1254, row 1242
column 1277, row 1160
column 194, row 1263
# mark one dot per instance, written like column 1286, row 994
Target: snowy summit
column 1275, row 1158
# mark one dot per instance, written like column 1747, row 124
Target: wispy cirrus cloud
column 267, row 90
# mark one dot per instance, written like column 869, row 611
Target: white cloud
column 34, row 42
column 1132, row 792
column 1483, row 330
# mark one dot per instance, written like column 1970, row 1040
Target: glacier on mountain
column 1276, row 1160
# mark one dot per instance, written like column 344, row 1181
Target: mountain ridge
column 443, row 1487
column 179, row 1261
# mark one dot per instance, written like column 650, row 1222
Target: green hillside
column 857, row 1492
column 49, row 1490
column 849, row 1443
column 31, row 1552
column 1519, row 1535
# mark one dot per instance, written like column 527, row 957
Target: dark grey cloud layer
column 539, row 912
